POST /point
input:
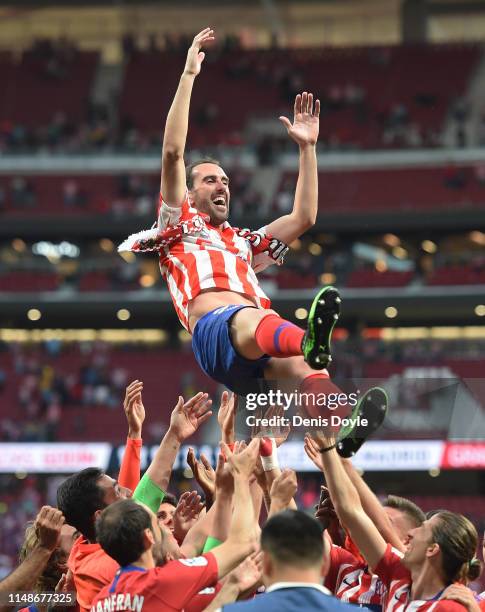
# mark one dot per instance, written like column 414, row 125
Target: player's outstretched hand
column 134, row 409
column 186, row 513
column 48, row 524
column 242, row 464
column 305, row 127
column 188, row 417
column 226, row 416
column 224, row 477
column 313, row 452
column 247, row 576
column 195, row 56
column 284, row 487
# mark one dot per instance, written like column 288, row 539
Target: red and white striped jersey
column 350, row 580
column 397, row 580
column 206, row 257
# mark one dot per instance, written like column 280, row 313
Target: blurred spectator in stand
column 72, row 195
column 22, row 193
column 454, row 178
column 480, row 174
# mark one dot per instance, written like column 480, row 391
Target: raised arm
column 373, row 507
column 175, row 136
column 347, row 503
column 304, row 131
column 48, row 526
column 129, row 475
column 185, row 420
column 240, row 541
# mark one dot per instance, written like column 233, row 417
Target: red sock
column 315, row 385
column 279, row 338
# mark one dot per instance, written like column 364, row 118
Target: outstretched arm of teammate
column 129, row 475
column 175, row 136
column 304, row 131
column 368, row 499
column 347, row 503
column 185, row 420
column 373, row 507
column 240, row 542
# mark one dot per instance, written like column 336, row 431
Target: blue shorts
column 213, row 349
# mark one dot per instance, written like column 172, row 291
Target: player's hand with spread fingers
column 204, row 474
column 186, row 513
column 195, row 56
column 242, row 464
column 306, row 120
column 313, row 452
column 188, row 417
column 248, row 575
column 134, row 409
column 48, row 524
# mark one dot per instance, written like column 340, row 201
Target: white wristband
column 269, row 454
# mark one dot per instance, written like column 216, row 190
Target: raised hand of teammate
column 242, row 464
column 227, row 415
column 224, row 478
column 195, row 56
column 188, row 417
column 305, row 127
column 186, row 514
column 282, row 491
column 313, row 452
column 48, row 524
column 247, row 576
column 204, row 474
column 134, row 409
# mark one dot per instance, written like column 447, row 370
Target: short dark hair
column 189, row 170
column 407, row 507
column 293, row 538
column 168, row 498
column 79, row 497
column 120, row 528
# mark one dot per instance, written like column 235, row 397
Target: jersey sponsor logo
column 195, row 562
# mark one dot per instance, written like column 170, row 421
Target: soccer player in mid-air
column 210, row 266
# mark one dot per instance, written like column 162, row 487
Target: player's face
column 165, row 515
column 420, row 544
column 112, row 490
column 157, row 550
column 210, row 192
column 401, row 523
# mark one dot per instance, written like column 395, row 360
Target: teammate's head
column 447, row 541
column 292, row 544
column 166, row 511
column 404, row 515
column 208, row 187
column 82, row 497
column 126, row 530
